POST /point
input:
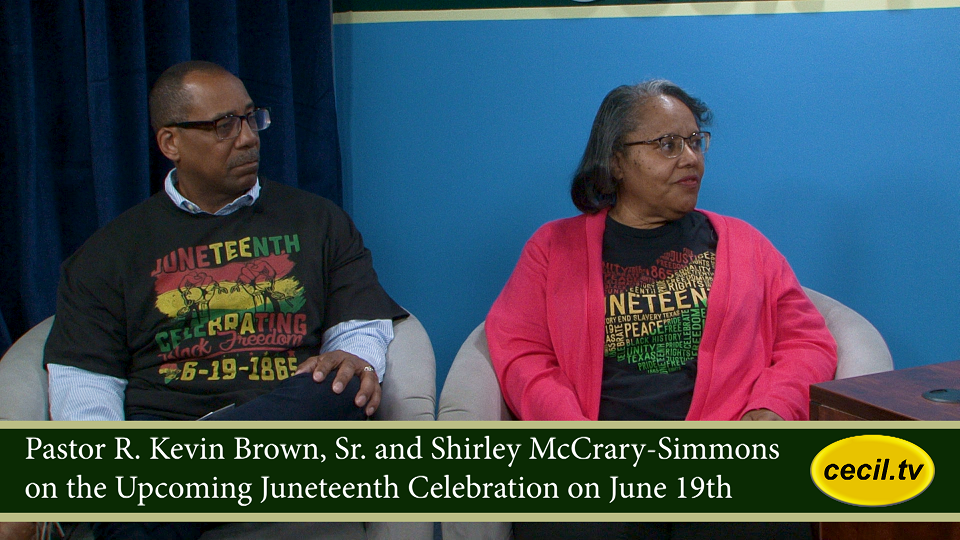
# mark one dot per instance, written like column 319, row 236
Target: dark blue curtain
column 76, row 146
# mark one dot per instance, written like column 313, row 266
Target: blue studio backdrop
column 834, row 134
column 77, row 148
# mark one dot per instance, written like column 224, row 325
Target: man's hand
column 761, row 414
column 349, row 366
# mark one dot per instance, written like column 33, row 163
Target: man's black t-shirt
column 200, row 311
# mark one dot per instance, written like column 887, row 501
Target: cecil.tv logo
column 872, row 470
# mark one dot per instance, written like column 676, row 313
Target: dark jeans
column 297, row 398
column 662, row 531
column 592, row 531
column 150, row 531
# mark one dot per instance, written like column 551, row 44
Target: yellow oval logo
column 872, row 470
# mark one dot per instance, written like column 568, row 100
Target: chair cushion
column 23, row 379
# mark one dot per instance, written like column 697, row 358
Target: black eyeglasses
column 228, row 127
column 671, row 146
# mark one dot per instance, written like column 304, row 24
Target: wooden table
column 892, row 395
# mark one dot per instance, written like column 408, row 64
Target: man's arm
column 350, row 347
column 358, row 314
column 78, row 394
column 366, row 339
column 85, row 353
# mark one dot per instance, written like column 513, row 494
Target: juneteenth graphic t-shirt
column 200, row 311
column 656, row 283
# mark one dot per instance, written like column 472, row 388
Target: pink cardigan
column 764, row 343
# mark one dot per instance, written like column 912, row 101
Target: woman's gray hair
column 594, row 187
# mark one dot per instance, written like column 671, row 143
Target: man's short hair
column 168, row 99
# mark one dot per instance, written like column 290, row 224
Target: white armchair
column 409, row 393
column 471, row 391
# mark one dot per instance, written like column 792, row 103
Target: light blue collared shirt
column 185, row 204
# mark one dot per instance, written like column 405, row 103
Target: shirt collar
column 170, row 186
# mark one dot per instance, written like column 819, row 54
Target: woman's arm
column 521, row 346
column 804, row 351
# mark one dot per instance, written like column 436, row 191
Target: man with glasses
column 224, row 295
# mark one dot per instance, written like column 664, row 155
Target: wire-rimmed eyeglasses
column 671, row 146
column 228, row 127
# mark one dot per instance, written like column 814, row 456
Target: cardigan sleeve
column 521, row 346
column 804, row 351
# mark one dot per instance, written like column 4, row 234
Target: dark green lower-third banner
column 483, row 470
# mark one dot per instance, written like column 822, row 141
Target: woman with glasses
column 644, row 307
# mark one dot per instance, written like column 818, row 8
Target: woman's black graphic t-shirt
column 656, row 283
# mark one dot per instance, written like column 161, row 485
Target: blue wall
column 835, row 134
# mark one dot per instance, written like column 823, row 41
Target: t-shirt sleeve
column 353, row 291
column 89, row 330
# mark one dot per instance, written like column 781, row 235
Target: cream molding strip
column 587, row 11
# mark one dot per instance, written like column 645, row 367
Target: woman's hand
column 761, row 414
